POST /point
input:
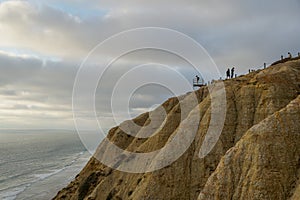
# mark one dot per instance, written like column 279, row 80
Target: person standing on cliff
column 197, row 79
column 228, row 73
column 232, row 72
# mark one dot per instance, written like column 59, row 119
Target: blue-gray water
column 36, row 164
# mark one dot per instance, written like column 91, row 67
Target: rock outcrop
column 257, row 155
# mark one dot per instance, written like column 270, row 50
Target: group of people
column 289, row 55
column 230, row 73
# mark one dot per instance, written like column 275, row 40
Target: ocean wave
column 47, row 175
column 11, row 193
column 54, row 172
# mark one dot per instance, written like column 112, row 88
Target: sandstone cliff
column 256, row 157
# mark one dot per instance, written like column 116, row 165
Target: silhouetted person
column 289, row 55
column 249, row 71
column 197, row 79
column 298, row 54
column 232, row 72
column 265, row 65
column 281, row 57
column 228, row 73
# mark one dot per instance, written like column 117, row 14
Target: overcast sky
column 43, row 43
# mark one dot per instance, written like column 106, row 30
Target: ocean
column 36, row 164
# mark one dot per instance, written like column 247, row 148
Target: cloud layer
column 42, row 44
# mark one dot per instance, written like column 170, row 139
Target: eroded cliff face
column 256, row 157
column 264, row 164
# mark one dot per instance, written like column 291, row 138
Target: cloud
column 16, row 68
column 63, row 29
column 43, row 42
column 35, row 94
column 45, row 29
